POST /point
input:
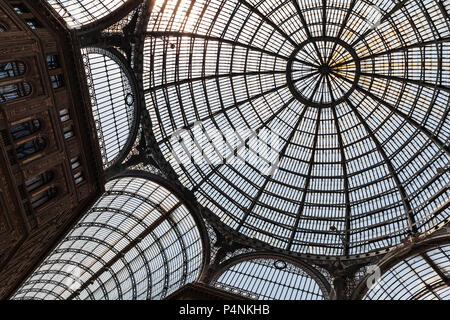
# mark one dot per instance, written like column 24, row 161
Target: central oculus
column 323, row 72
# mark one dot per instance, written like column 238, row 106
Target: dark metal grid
column 269, row 278
column 113, row 94
column 223, row 62
column 423, row 276
column 139, row 241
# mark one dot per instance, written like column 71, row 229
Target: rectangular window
column 57, row 81
column 75, row 163
column 52, row 62
column 33, row 23
column 64, row 115
column 68, row 132
column 21, row 8
column 78, row 177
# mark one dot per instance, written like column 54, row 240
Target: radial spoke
column 319, row 82
column 306, row 27
column 268, row 21
column 346, row 183
column 210, row 77
column 341, row 30
column 264, row 125
column 392, row 171
column 223, row 110
column 307, row 182
column 309, row 75
column 268, row 178
column 406, row 117
column 411, row 81
column 309, row 64
column 397, row 7
column 324, row 18
column 164, row 34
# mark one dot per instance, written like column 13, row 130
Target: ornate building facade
column 251, row 149
column 49, row 176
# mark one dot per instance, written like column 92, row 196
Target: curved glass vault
column 268, row 278
column 113, row 99
column 139, row 241
column 423, row 276
column 317, row 127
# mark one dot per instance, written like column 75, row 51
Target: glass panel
column 423, row 276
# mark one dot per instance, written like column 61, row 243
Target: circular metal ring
column 324, row 69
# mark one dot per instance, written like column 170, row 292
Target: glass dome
column 318, row 127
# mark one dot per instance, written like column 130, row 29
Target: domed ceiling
column 318, row 127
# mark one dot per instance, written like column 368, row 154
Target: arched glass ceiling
column 316, row 126
column 266, row 278
column 424, row 276
column 139, row 241
column 113, row 99
column 78, row 13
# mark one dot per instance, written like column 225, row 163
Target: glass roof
column 138, row 242
column 316, row 126
column 78, row 13
column 421, row 277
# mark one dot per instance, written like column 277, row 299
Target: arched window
column 421, row 276
column 11, row 69
column 113, row 100
column 33, row 184
column 30, row 147
column 14, row 91
column 41, row 198
column 25, row 129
